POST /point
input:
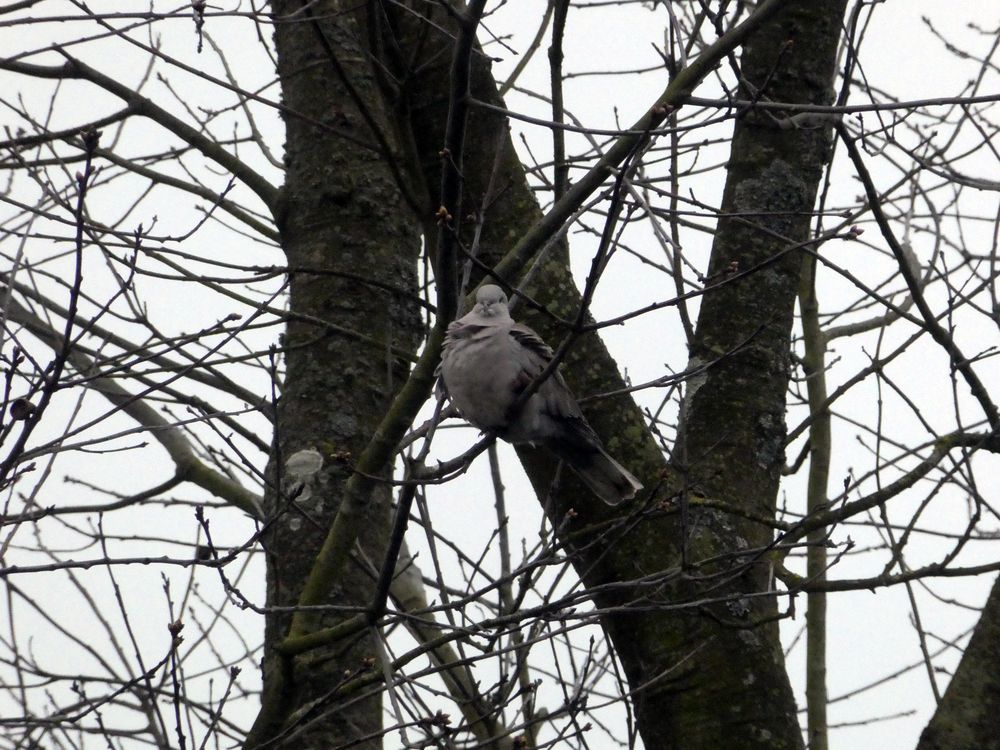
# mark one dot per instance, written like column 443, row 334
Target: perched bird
column 488, row 360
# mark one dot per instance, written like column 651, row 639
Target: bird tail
column 605, row 477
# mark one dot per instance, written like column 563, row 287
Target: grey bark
column 968, row 717
column 342, row 211
column 693, row 669
column 690, row 667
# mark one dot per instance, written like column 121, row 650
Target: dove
column 488, row 360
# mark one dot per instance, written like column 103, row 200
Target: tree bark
column 343, row 216
column 814, row 367
column 706, row 677
column 703, row 677
column 966, row 718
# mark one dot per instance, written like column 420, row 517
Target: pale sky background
column 870, row 635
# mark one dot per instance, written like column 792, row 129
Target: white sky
column 870, row 635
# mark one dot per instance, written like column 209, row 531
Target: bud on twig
column 21, row 409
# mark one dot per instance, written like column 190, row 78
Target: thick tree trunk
column 731, row 446
column 967, row 717
column 343, row 217
column 709, row 677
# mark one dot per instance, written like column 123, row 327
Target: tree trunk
column 693, row 668
column 706, row 677
column 966, row 718
column 343, row 217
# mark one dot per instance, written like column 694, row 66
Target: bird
column 488, row 361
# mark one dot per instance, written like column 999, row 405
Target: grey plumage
column 488, row 360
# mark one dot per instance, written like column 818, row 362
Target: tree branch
column 188, row 466
column 673, row 96
column 958, row 360
column 75, row 69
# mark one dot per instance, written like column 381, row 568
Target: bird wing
column 535, row 355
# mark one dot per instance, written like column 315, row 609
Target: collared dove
column 488, row 360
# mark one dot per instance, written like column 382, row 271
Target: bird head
column 491, row 302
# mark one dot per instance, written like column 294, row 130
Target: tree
column 300, row 421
